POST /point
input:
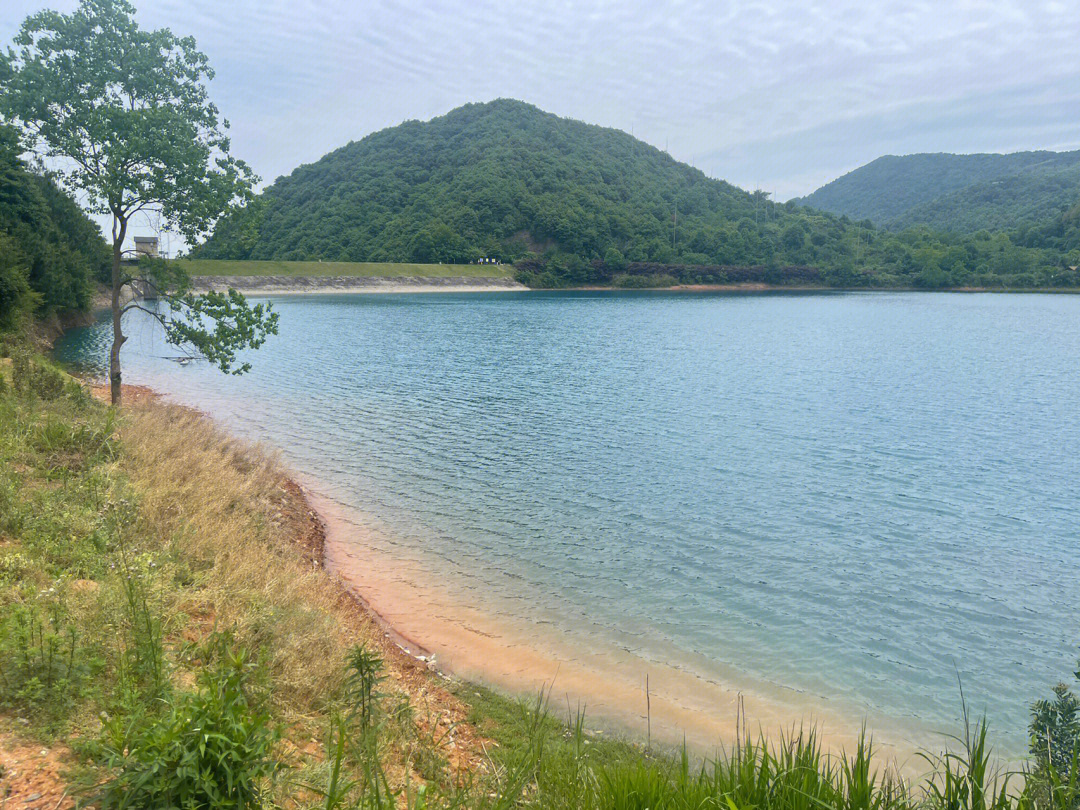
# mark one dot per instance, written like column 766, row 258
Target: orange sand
column 610, row 683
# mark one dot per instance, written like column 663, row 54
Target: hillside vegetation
column 166, row 630
column 574, row 203
column 1060, row 234
column 1028, row 195
column 50, row 252
column 1008, row 203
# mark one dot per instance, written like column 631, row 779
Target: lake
column 855, row 499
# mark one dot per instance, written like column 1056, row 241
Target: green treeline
column 50, row 252
column 1034, row 197
column 577, row 203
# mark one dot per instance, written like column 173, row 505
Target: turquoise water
column 854, row 496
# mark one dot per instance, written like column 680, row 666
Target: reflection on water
column 852, row 496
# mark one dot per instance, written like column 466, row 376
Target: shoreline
column 406, row 664
column 761, row 287
column 362, row 285
column 454, row 641
column 675, row 705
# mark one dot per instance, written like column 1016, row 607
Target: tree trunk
column 119, row 231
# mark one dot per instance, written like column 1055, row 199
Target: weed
column 44, row 664
column 364, row 673
column 211, row 748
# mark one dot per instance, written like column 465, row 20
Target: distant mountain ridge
column 959, row 193
column 575, row 203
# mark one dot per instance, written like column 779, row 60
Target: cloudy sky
column 782, row 95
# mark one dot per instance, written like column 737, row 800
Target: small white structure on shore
column 146, row 246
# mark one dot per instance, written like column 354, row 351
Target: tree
column 15, row 294
column 437, row 242
column 615, row 261
column 124, row 114
column 48, row 243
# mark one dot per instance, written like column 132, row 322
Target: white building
column 146, row 246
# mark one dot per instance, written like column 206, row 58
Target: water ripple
column 851, row 496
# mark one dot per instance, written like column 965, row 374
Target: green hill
column 502, row 179
column 961, row 193
column 1003, row 204
column 576, row 203
column 1060, row 235
column 50, row 252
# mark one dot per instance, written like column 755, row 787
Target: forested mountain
column 499, row 178
column 961, row 193
column 1060, row 234
column 50, row 252
column 1007, row 203
column 577, row 203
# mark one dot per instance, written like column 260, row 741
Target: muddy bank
column 286, row 285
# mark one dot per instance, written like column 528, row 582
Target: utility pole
column 674, row 225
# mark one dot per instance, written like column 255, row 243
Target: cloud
column 783, row 95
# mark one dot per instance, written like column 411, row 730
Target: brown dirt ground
column 30, row 773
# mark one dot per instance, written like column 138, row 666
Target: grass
column 127, row 545
column 157, row 616
column 215, row 267
column 569, row 768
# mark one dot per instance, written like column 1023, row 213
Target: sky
column 782, row 95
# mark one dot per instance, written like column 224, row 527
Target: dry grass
column 240, row 530
column 127, row 540
column 223, row 507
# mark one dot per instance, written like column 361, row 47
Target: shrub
column 20, row 372
column 14, row 566
column 212, row 748
column 628, row 281
column 29, row 376
column 615, row 261
column 47, row 382
column 1055, row 729
column 44, row 666
column 931, row 278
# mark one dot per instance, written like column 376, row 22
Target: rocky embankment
column 277, row 285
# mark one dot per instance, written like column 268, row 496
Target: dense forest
column 50, row 252
column 573, row 203
column 1005, row 204
column 1021, row 194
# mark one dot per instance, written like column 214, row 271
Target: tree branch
column 157, row 316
